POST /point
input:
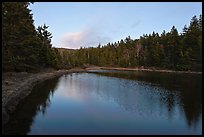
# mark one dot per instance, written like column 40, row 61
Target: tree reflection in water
column 183, row 89
column 37, row 101
column 145, row 92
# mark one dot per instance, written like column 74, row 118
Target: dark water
column 112, row 102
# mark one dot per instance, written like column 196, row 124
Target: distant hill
column 65, row 50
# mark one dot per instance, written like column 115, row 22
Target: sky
column 86, row 24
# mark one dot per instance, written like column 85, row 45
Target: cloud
column 91, row 36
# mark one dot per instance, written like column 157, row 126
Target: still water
column 112, row 102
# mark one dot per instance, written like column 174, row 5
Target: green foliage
column 170, row 50
column 23, row 47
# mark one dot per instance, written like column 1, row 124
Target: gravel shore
column 16, row 86
column 145, row 69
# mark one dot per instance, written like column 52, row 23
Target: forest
column 170, row 50
column 26, row 48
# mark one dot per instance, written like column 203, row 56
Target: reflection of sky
column 89, row 102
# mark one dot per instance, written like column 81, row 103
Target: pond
column 112, row 102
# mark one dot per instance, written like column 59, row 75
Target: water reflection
column 185, row 88
column 112, row 102
column 37, row 102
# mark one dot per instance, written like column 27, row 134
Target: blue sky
column 76, row 24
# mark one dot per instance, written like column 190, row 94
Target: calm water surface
column 112, row 102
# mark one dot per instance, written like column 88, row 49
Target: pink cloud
column 85, row 38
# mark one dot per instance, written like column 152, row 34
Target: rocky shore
column 145, row 69
column 16, row 86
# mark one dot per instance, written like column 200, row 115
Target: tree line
column 170, row 50
column 24, row 47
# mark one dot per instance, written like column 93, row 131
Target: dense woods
column 169, row 50
column 26, row 48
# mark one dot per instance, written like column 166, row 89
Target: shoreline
column 144, row 69
column 17, row 85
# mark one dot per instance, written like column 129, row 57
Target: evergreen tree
column 23, row 47
column 18, row 37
